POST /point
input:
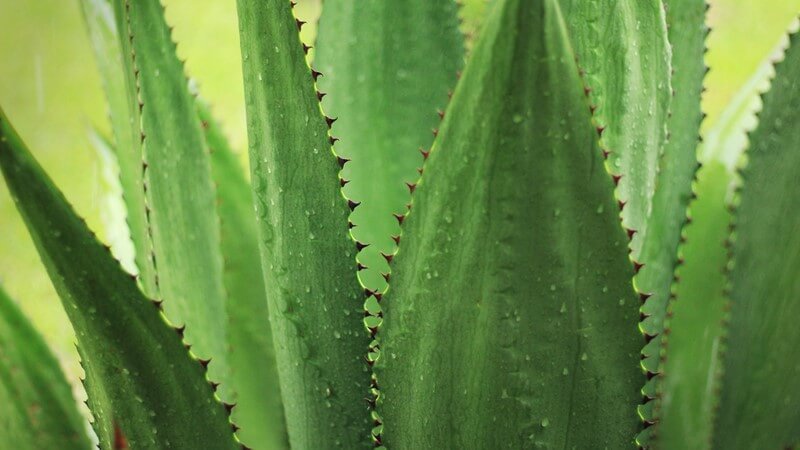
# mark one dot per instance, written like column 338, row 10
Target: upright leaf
column 689, row 376
column 511, row 319
column 315, row 299
column 760, row 393
column 387, row 68
column 124, row 118
column 677, row 167
column 179, row 193
column 624, row 50
column 145, row 391
column 254, row 381
column 690, row 360
column 254, row 375
column 38, row 408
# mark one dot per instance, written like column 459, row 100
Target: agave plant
column 547, row 292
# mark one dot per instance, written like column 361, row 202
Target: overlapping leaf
column 254, row 375
column 145, row 391
column 384, row 83
column 308, row 258
column 38, row 408
column 758, row 403
column 180, row 201
column 511, row 320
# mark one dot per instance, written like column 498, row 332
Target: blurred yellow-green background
column 50, row 89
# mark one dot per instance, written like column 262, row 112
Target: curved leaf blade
column 314, row 296
column 677, row 167
column 385, row 82
column 104, row 36
column 689, row 379
column 512, row 290
column 254, row 374
column 692, row 346
column 758, row 403
column 38, row 408
column 143, row 386
column 180, row 200
column 624, row 50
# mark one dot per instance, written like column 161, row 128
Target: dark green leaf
column 315, row 299
column 179, row 193
column 144, row 388
column 38, row 409
column 511, row 320
column 659, row 248
column 254, row 375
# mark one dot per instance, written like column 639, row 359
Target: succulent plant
column 550, row 289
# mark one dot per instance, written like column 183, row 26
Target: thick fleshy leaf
column 673, row 189
column 308, row 258
column 145, row 390
column 387, row 68
column 511, row 320
column 690, row 359
column 623, row 48
column 688, row 384
column 760, row 393
column 38, row 408
column 254, row 374
column 126, row 142
column 182, row 220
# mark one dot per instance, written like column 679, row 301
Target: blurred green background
column 50, row 89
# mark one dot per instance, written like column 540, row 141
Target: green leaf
column 677, row 167
column 690, row 368
column 254, row 374
column 315, row 299
column 124, row 117
column 511, row 320
column 144, row 388
column 38, row 408
column 112, row 210
column 623, row 48
column 387, row 68
column 179, row 192
column 758, row 404
column 691, row 357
